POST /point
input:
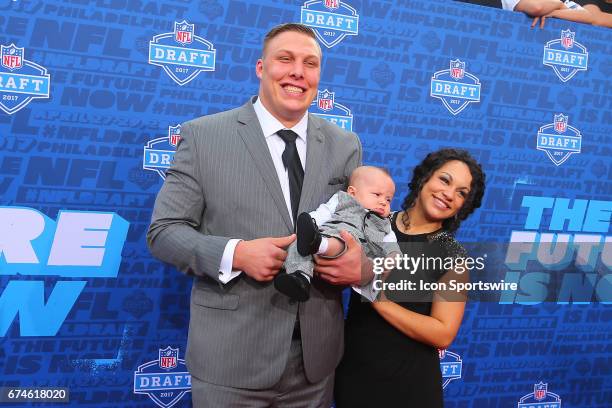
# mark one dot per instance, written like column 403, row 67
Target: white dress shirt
column 269, row 125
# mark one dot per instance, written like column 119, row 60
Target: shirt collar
column 270, row 125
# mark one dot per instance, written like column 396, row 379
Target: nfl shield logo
column 567, row 38
column 539, row 391
column 174, row 134
column 325, row 100
column 457, row 69
column 183, row 32
column 331, row 4
column 12, row 57
column 560, row 123
column 441, row 353
column 168, row 358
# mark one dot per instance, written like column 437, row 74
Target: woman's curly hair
column 423, row 172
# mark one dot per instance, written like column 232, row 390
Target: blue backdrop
column 92, row 94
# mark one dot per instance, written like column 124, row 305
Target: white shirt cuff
column 367, row 291
column 226, row 273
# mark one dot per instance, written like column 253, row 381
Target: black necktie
column 292, row 163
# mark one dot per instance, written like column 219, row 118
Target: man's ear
column 259, row 68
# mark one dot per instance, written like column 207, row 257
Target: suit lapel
column 314, row 162
column 250, row 132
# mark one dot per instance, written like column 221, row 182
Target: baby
column 363, row 211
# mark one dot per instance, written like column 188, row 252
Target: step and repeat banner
column 92, row 97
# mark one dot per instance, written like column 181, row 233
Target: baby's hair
column 359, row 172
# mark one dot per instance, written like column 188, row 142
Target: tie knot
column 287, row 135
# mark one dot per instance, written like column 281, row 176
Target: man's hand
column 579, row 15
column 536, row 20
column 261, row 258
column 352, row 268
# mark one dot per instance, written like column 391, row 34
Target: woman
column 391, row 358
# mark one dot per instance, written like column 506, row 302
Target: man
column 234, row 185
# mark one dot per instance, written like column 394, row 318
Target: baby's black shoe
column 308, row 235
column 294, row 285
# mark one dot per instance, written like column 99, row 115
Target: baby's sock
column 323, row 246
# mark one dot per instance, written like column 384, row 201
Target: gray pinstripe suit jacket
column 223, row 185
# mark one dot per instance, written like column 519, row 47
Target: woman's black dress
column 381, row 366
